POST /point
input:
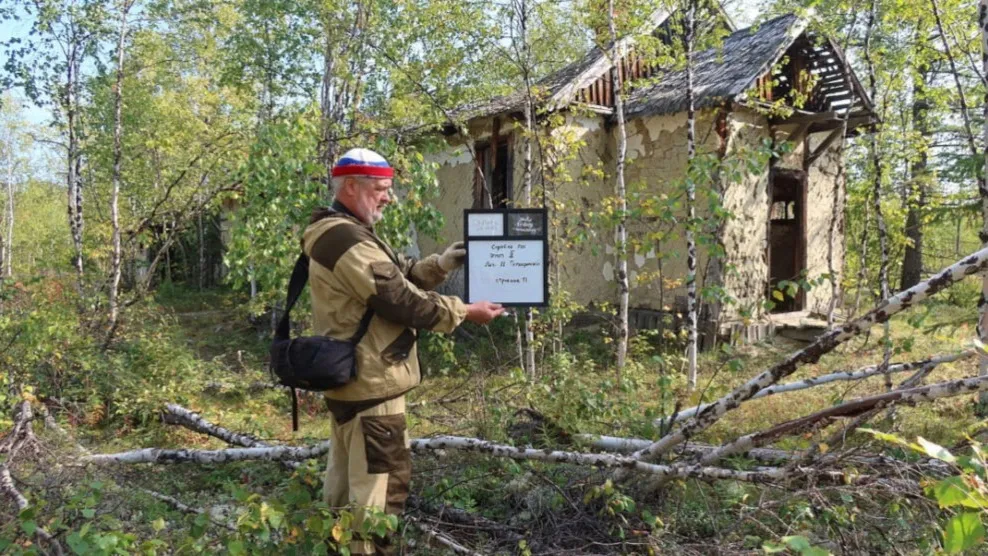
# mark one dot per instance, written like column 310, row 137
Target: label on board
column 507, row 270
column 526, row 224
column 485, row 224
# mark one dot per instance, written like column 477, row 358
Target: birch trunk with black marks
column 8, row 258
column 844, row 376
column 621, row 231
column 876, row 161
column 982, row 169
column 692, row 308
column 526, row 68
column 7, row 239
column 824, row 344
column 191, row 420
column 202, row 250
column 983, row 193
column 615, row 461
column 863, row 267
column 16, row 439
column 69, row 102
column 338, row 97
column 159, row 455
column 114, row 305
column 821, row 419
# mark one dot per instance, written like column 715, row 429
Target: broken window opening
column 787, row 235
column 496, row 169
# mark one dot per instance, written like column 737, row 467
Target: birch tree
column 692, row 305
column 522, row 13
column 49, row 65
column 114, row 307
column 877, row 169
column 14, row 144
column 983, row 193
column 621, row 230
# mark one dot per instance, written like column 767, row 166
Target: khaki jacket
column 351, row 269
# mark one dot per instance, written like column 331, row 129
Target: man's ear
column 348, row 183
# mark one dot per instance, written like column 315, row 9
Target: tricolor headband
column 363, row 162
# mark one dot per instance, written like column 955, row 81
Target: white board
column 485, row 224
column 506, row 271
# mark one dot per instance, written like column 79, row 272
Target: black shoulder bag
column 312, row 362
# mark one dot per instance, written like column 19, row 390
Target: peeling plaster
column 636, row 147
column 608, row 271
column 454, row 157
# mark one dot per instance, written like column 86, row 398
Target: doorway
column 787, row 235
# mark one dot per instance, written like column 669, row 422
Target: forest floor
column 554, row 508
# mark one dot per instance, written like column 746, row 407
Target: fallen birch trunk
column 267, row 453
column 178, row 415
column 766, row 475
column 21, row 434
column 441, row 538
column 622, row 445
column 281, row 453
column 860, row 374
column 837, row 436
column 812, row 353
column 185, row 508
column 850, row 409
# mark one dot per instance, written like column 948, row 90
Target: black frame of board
column 543, row 237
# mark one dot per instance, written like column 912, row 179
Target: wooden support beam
column 818, row 152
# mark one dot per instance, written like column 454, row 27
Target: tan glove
column 453, row 257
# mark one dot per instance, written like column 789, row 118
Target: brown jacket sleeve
column 366, row 272
column 425, row 273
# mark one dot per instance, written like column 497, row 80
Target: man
column 351, row 273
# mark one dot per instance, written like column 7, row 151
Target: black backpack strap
column 300, row 275
column 364, row 325
column 294, row 410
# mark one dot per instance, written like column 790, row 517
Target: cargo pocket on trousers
column 384, row 442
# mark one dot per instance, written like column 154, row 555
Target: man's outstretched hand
column 483, row 312
column 453, row 257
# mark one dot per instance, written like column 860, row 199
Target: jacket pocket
column 398, row 350
column 384, row 442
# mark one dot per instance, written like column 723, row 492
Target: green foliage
column 964, row 494
column 52, row 349
column 798, row 544
column 283, row 183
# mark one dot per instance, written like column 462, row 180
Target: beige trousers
column 370, row 466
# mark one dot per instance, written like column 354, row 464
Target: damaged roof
column 558, row 87
column 721, row 73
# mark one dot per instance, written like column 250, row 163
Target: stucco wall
column 745, row 233
column 455, row 175
column 821, row 179
column 655, row 166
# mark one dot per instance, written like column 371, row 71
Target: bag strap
column 294, row 410
column 300, row 275
column 364, row 325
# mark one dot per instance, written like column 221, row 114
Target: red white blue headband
column 363, row 162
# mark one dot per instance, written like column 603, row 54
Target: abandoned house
column 783, row 216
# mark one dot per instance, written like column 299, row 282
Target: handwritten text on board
column 507, row 270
